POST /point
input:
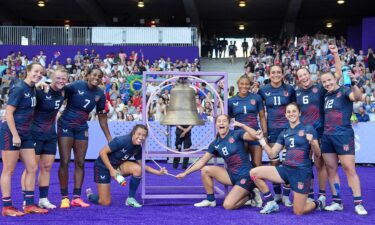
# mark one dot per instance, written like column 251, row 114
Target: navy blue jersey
column 311, row 103
column 47, row 107
column 81, row 100
column 297, row 146
column 246, row 110
column 276, row 100
column 338, row 109
column 231, row 148
column 122, row 149
column 22, row 96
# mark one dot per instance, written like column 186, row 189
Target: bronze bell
column 182, row 109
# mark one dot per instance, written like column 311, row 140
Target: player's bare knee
column 228, row 206
column 137, row 170
column 105, row 202
column 32, row 168
column 46, row 167
column 298, row 211
column 205, row 170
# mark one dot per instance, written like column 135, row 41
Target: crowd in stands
column 312, row 52
column 123, row 102
column 126, row 105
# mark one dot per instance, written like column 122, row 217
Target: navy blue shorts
column 6, row 140
column 243, row 181
column 299, row 178
column 101, row 175
column 338, row 144
column 46, row 147
column 79, row 133
column 253, row 143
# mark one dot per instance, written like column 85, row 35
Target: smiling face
column 276, row 75
column 139, row 136
column 95, row 77
column 292, row 113
column 222, row 125
column 59, row 79
column 304, row 78
column 243, row 86
column 34, row 74
column 329, row 82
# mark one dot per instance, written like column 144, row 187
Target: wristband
column 262, row 142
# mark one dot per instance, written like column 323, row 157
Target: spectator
column 362, row 116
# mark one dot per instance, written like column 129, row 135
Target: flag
column 135, row 83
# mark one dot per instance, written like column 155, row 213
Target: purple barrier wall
column 354, row 37
column 150, row 52
column 368, row 33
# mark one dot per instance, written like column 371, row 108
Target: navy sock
column 322, row 192
column 7, row 201
column 64, row 193
column 29, row 197
column 286, row 190
column 277, row 189
column 94, row 198
column 77, row 193
column 358, row 200
column 336, row 198
column 268, row 196
column 317, row 203
column 43, row 192
column 23, row 194
column 211, row 197
column 134, row 183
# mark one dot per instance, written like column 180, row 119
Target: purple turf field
column 182, row 211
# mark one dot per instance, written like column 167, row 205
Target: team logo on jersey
column 338, row 94
column 231, row 140
column 300, row 185
column 268, row 93
column 345, row 148
column 80, row 92
column 65, row 130
column 253, row 102
column 217, row 146
column 243, row 181
column 48, row 97
column 235, row 103
column 123, row 150
column 27, row 95
column 301, row 133
column 315, row 90
column 298, row 93
column 286, row 94
column 97, row 98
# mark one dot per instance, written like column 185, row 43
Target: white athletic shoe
column 277, row 198
column 334, row 207
column 205, row 203
column 360, row 210
column 44, row 203
column 250, row 202
column 322, row 198
column 132, row 202
column 257, row 198
column 286, row 201
column 270, row 207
